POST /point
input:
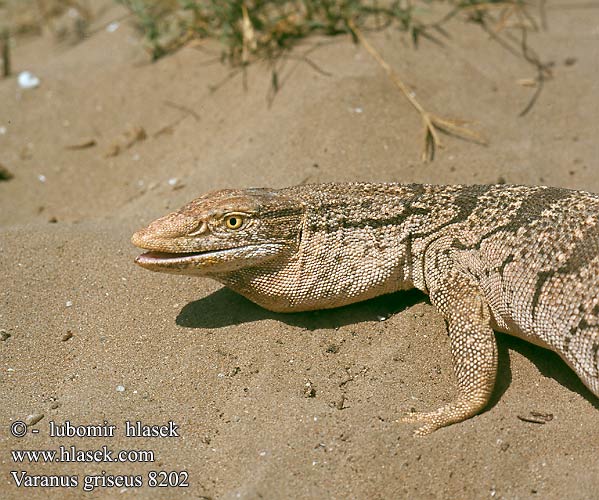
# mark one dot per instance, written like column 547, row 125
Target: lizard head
column 220, row 232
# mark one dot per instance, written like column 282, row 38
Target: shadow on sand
column 225, row 307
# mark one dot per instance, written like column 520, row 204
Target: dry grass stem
column 249, row 36
column 5, row 52
column 432, row 123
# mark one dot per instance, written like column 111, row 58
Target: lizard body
column 517, row 259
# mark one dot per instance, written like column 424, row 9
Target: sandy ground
column 234, row 378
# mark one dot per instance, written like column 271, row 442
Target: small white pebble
column 172, row 181
column 262, row 453
column 112, row 27
column 381, row 318
column 28, row 80
column 220, row 375
column 120, row 388
column 2, row 130
column 69, row 303
column 10, row 369
column 41, row 178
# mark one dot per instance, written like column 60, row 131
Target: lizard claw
column 460, row 409
column 421, row 417
column 425, row 430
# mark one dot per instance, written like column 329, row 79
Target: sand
column 265, row 405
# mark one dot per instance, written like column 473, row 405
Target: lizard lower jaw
column 199, row 263
column 152, row 259
column 204, row 263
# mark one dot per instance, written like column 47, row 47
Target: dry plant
column 430, row 121
column 252, row 30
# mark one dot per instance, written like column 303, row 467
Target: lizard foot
column 430, row 420
column 462, row 408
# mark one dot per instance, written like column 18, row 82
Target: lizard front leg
column 473, row 345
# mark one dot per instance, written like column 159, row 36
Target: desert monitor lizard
column 516, row 259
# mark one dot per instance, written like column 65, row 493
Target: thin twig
column 525, row 14
column 543, row 72
column 185, row 109
column 310, row 63
column 543, row 69
column 279, row 79
column 230, row 75
column 430, row 121
column 5, row 44
column 168, row 129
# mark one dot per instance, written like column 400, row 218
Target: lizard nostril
column 201, row 229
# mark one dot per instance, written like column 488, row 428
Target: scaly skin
column 516, row 259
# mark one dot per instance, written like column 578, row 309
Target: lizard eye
column 234, row 221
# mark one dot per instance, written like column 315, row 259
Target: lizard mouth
column 208, row 261
column 161, row 258
column 184, row 263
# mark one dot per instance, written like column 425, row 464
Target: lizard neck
column 357, row 241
